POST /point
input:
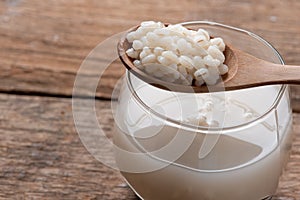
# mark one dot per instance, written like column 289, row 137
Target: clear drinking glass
column 228, row 145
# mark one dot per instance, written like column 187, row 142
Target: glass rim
column 206, row 129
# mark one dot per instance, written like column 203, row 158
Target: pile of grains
column 176, row 54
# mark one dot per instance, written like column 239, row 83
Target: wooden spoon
column 245, row 71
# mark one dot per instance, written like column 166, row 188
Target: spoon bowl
column 245, row 71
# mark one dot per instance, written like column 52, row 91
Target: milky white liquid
column 242, row 164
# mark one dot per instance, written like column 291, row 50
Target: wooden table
column 42, row 45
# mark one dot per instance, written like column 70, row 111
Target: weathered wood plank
column 295, row 94
column 43, row 45
column 41, row 155
column 290, row 180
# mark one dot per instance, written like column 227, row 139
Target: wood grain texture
column 43, row 44
column 42, row 157
column 295, row 95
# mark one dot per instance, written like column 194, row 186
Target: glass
column 227, row 145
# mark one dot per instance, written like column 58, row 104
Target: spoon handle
column 260, row 72
column 285, row 74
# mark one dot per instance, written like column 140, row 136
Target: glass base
column 139, row 197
